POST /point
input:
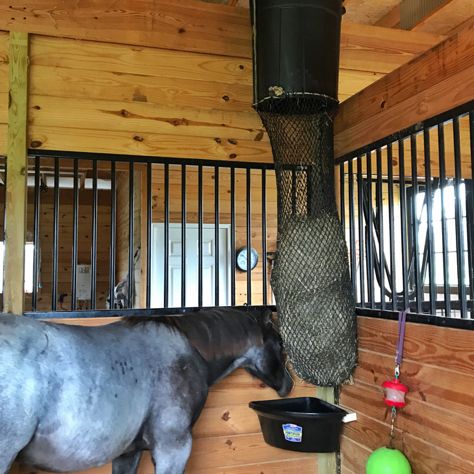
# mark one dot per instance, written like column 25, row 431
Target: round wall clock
column 242, row 259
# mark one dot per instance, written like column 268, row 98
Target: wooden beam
column 390, row 19
column 435, row 82
column 17, row 163
column 195, row 26
column 326, row 461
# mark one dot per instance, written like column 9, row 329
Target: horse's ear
column 267, row 318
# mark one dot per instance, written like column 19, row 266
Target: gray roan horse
column 75, row 397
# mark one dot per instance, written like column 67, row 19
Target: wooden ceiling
column 445, row 19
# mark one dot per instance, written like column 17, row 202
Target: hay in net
column 310, row 278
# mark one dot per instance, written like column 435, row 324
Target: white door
column 191, row 268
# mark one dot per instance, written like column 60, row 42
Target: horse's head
column 267, row 361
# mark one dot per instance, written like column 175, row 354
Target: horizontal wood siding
column 436, row 428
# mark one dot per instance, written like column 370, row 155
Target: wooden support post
column 17, row 170
column 327, row 463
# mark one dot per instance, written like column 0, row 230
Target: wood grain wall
column 436, row 428
column 227, row 437
column 3, row 91
column 100, row 97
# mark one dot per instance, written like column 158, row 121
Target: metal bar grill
column 429, row 234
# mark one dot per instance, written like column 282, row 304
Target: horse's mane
column 212, row 332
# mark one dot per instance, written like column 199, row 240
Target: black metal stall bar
column 264, row 237
column 391, row 229
column 54, row 283
column 352, row 246
column 429, row 220
column 131, row 229
column 183, row 235
column 149, row 219
column 216, row 237
column 233, row 255
column 75, row 224
column 369, row 233
column 403, row 224
column 248, row 210
column 94, row 235
column 459, row 218
column 200, row 242
column 36, row 235
column 166, row 253
column 113, row 227
column 380, row 226
column 444, row 230
column 470, row 214
column 360, row 202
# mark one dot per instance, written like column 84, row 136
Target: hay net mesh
column 310, row 277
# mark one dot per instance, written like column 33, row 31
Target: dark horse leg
column 127, row 463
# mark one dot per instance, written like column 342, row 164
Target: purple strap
column 402, row 315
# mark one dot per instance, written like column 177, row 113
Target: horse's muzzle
column 287, row 385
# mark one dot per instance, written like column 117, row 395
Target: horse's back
column 89, row 390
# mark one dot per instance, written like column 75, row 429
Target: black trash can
column 305, row 424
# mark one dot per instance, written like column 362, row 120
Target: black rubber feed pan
column 305, row 424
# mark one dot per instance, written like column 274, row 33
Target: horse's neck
column 222, row 349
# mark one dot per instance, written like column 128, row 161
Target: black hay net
column 310, row 278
